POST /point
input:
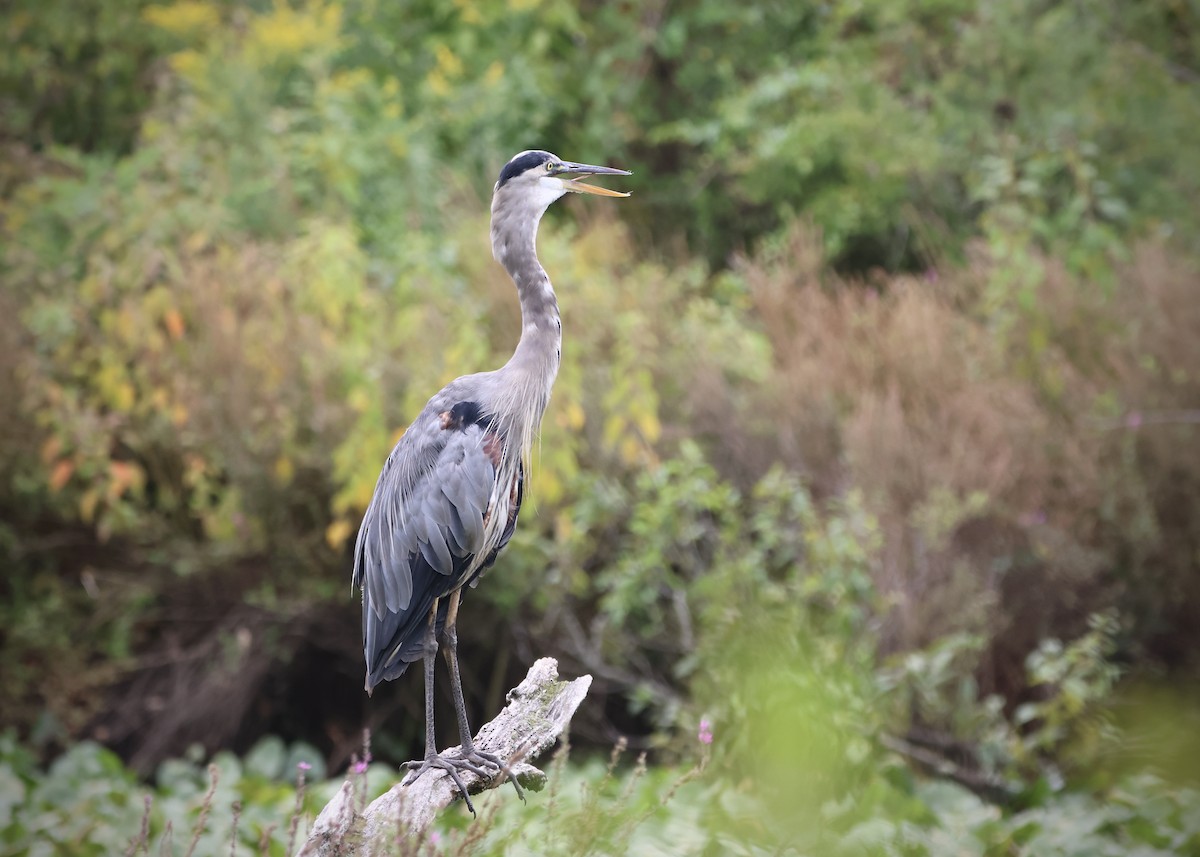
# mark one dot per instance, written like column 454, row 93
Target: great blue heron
column 447, row 500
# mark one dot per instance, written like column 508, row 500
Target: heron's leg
column 430, row 663
column 432, row 759
column 450, row 635
column 470, row 755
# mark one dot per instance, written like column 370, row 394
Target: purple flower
column 1033, row 519
column 304, row 766
column 705, row 733
column 435, row 839
column 1133, row 419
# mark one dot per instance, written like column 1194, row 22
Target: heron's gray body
column 446, row 503
column 447, row 500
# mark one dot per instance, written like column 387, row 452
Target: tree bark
column 538, row 711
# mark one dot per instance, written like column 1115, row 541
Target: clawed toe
column 481, row 757
column 442, row 763
column 484, row 765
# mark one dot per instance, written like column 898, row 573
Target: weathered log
column 538, row 711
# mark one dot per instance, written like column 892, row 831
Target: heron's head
column 532, row 180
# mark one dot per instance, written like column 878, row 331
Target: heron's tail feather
column 397, row 640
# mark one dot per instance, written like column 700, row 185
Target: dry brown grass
column 1157, row 371
column 1012, row 496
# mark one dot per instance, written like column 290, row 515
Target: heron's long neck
column 534, row 365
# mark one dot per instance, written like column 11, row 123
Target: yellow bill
column 579, row 186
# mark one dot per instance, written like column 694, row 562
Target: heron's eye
column 551, row 166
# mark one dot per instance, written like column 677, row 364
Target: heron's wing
column 516, row 495
column 437, row 517
column 420, row 537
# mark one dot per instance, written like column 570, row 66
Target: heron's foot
column 479, row 758
column 474, row 761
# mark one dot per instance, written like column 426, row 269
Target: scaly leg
column 472, row 758
column 432, row 759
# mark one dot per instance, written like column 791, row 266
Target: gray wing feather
column 434, row 548
column 399, row 586
column 429, row 501
column 443, row 515
column 460, row 497
column 482, row 475
column 460, row 545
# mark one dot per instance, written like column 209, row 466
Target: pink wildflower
column 304, row 766
column 359, row 766
column 705, row 734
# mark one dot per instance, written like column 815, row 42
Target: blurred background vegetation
column 875, row 444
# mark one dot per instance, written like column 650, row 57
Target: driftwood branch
column 538, row 711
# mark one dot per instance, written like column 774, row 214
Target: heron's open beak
column 585, row 170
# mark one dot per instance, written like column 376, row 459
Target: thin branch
column 1180, row 73
column 990, row 788
column 1140, row 419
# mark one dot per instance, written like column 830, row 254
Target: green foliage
column 86, row 802
column 77, row 73
column 1065, row 730
column 241, row 244
column 1077, row 677
column 1142, row 817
